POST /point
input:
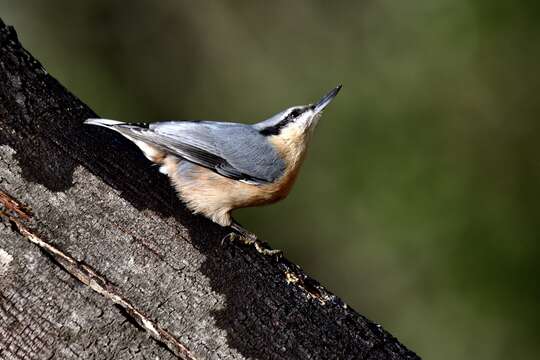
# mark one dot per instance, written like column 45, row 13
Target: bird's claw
column 230, row 237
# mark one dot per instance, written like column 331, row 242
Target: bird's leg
column 249, row 238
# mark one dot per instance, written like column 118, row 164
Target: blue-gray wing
column 237, row 151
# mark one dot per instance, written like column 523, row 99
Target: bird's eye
column 295, row 113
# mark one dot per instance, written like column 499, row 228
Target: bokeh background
column 419, row 202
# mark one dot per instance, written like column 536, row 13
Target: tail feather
column 133, row 132
column 103, row 122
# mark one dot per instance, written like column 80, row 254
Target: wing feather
column 236, row 151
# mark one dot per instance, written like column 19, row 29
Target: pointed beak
column 326, row 99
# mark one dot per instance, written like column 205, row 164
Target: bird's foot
column 229, row 238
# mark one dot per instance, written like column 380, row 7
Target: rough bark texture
column 100, row 260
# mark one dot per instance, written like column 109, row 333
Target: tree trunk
column 100, row 260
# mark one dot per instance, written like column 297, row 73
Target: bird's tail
column 137, row 133
column 103, row 122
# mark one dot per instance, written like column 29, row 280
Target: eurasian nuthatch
column 217, row 167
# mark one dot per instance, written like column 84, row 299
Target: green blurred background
column 419, row 202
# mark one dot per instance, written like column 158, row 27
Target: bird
column 217, row 167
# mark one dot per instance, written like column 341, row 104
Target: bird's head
column 302, row 118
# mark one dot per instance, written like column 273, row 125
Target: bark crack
column 16, row 213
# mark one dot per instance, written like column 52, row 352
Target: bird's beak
column 326, row 99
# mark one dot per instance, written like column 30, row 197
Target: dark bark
column 99, row 259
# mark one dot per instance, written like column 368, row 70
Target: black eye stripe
column 295, row 113
column 276, row 129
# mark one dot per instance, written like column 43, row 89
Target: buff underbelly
column 215, row 196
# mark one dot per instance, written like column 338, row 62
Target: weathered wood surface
column 100, row 260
